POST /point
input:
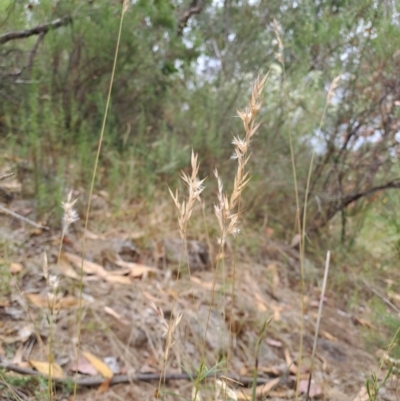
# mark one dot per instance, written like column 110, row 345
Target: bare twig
column 96, row 381
column 382, row 297
column 37, row 30
column 5, row 176
column 22, row 218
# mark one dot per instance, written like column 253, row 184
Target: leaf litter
column 122, row 325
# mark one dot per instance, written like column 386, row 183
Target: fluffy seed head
column 70, row 215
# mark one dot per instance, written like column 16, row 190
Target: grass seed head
column 227, row 210
column 195, row 188
column 70, row 214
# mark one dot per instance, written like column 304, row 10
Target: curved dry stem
column 124, row 9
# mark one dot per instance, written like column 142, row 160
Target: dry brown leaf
column 394, row 297
column 289, row 362
column 261, row 391
column 12, row 185
column 136, row 269
column 362, row 395
column 118, row 279
column 136, row 235
column 275, row 276
column 83, row 366
column 121, row 272
column 244, row 371
column 38, row 300
column 271, row 370
column 315, row 388
column 99, row 365
column 17, row 359
column 116, row 315
column 277, row 312
column 269, row 232
column 204, row 284
column 284, row 394
column 25, row 332
column 64, row 267
column 15, row 268
column 295, row 241
column 62, row 303
column 4, row 303
column 273, row 343
column 104, row 386
column 362, row 322
column 87, row 266
column 261, row 304
column 91, row 235
column 47, row 368
column 329, row 336
column 151, row 297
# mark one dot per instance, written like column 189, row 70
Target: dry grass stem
column 45, row 267
column 321, row 303
column 167, row 328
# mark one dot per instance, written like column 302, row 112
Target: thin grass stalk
column 4, row 382
column 321, row 303
column 302, row 287
column 51, row 308
column 228, row 210
column 297, row 217
column 123, row 11
column 185, row 209
column 302, row 226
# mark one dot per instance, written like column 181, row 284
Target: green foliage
column 373, row 385
column 176, row 90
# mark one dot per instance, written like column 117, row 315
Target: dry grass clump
column 227, row 209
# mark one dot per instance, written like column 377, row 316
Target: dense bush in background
column 183, row 68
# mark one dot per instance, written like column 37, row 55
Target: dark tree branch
column 354, row 197
column 37, row 30
column 346, row 200
column 195, row 8
column 147, row 377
